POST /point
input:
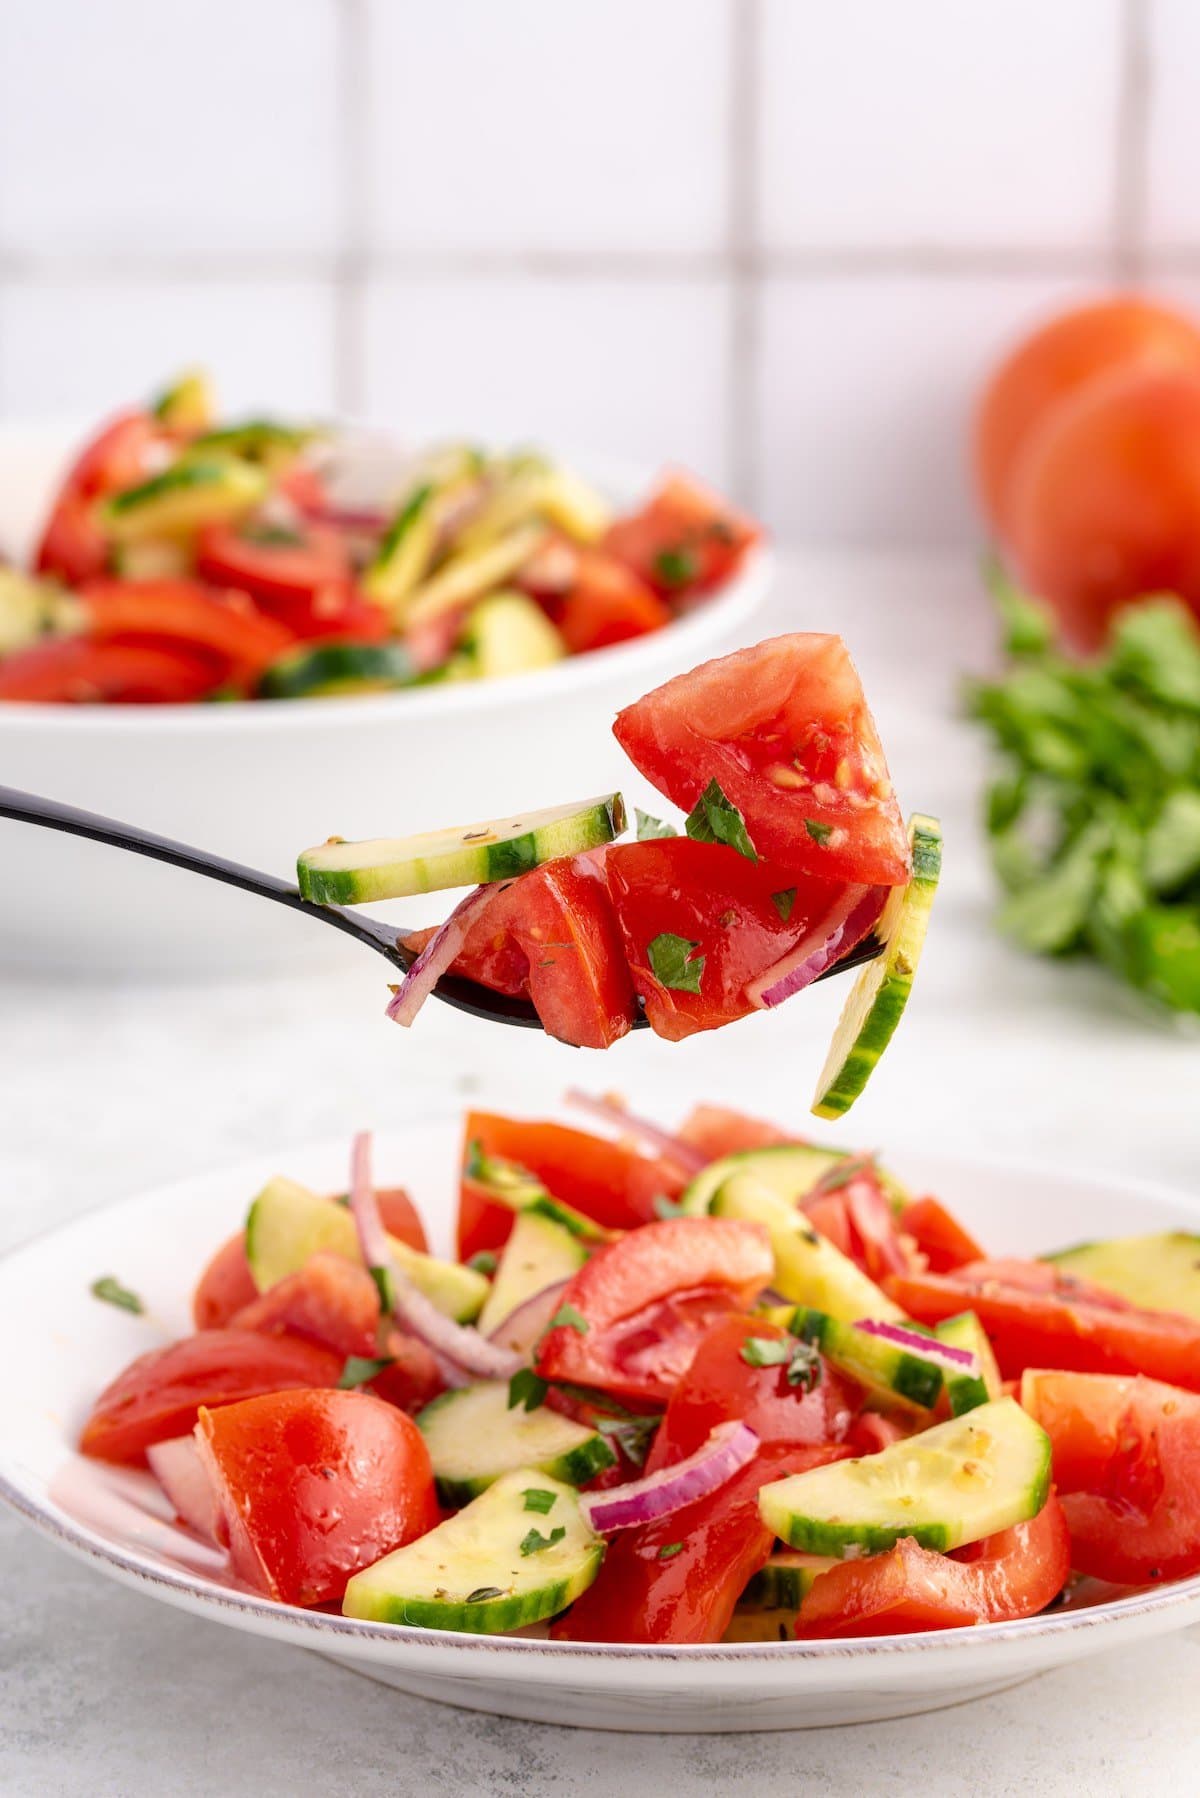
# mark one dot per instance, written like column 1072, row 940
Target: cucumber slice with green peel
column 325, row 670
column 809, row 1270
column 474, row 1439
column 1159, row 1272
column 897, row 1374
column 751, row 1625
column 509, row 633
column 790, row 1169
column 466, row 577
column 184, row 497
column 880, row 993
column 498, row 1565
column 341, row 873
column 540, row 1252
column 287, row 1223
column 965, row 1391
column 507, row 1184
column 784, row 1581
column 187, row 404
column 262, row 440
column 953, row 1484
column 539, row 490
column 406, row 549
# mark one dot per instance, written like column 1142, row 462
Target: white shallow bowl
column 260, row 782
column 67, row 1345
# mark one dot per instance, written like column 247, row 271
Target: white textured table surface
column 105, row 1692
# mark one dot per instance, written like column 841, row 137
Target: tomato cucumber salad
column 188, row 558
column 792, row 853
column 715, row 1384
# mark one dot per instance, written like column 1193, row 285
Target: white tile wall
column 777, row 239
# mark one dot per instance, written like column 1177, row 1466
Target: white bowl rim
column 328, row 1632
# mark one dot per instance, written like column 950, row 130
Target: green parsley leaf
column 783, row 902
column 525, row 1388
column 481, row 1593
column 568, row 1318
column 632, row 1435
column 384, row 1286
column 113, row 1293
column 669, row 1550
column 538, row 1499
column 804, row 1367
column 665, row 1207
column 766, row 1351
column 485, row 1262
column 802, row 1360
column 534, row 1542
column 676, row 567
column 649, row 829
column 359, row 1369
column 820, row 833
column 716, row 819
column 674, row 962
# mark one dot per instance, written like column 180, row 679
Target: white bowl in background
column 261, row 781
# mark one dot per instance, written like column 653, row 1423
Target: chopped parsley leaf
column 674, row 963
column 783, row 902
column 113, row 1293
column 650, row 828
column 525, row 1388
column 820, row 833
column 360, row 1368
column 538, row 1499
column 669, row 1550
column 535, row 1542
column 715, row 819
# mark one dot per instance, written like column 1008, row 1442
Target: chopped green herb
column 820, row 833
column 675, row 567
column 649, row 828
column 525, row 1388
column 665, row 1207
column 804, row 1368
column 535, row 1542
column 669, row 1550
column 483, row 1592
column 568, row 1318
column 783, row 902
column 486, row 1261
column 113, row 1293
column 385, row 1287
column 359, row 1369
column 538, row 1499
column 802, row 1360
column 674, row 962
column 632, row 1435
column 766, row 1351
column 715, row 819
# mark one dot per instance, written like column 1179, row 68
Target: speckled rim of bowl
column 1116, row 1618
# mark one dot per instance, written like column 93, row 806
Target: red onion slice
column 438, row 954
column 805, row 963
column 462, row 1354
column 651, row 1136
column 729, row 1448
column 951, row 1360
column 177, row 1467
column 526, row 1322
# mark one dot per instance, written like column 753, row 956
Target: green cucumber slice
column 507, row 1184
column 187, row 404
column 953, row 1484
column 540, row 1252
column 880, row 993
column 474, row 1439
column 466, row 577
column 896, row 1374
column 287, row 1223
column 784, row 1581
column 183, row 497
column 809, row 1270
column 509, row 633
column 341, row 873
column 749, row 1625
column 1160, row 1272
column 323, row 670
column 790, row 1169
column 484, row 1568
column 964, row 1390
column 262, row 440
column 406, row 548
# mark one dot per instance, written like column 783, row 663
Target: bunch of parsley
column 1093, row 812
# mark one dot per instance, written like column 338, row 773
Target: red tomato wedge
column 301, row 574
column 940, row 1237
column 553, row 934
column 1059, row 1324
column 80, row 671
column 159, row 1394
column 685, row 540
column 784, row 730
column 313, row 1486
column 222, row 625
column 331, row 1301
column 701, row 923
column 225, row 1286
column 1127, row 1462
column 722, row 1385
column 858, row 1219
column 678, row 1580
column 610, row 1182
column 909, row 1589
column 716, row 1131
column 592, row 599
column 74, row 545
column 648, row 1298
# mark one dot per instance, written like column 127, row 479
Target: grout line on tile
column 1134, row 101
column 742, row 232
column 354, row 174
